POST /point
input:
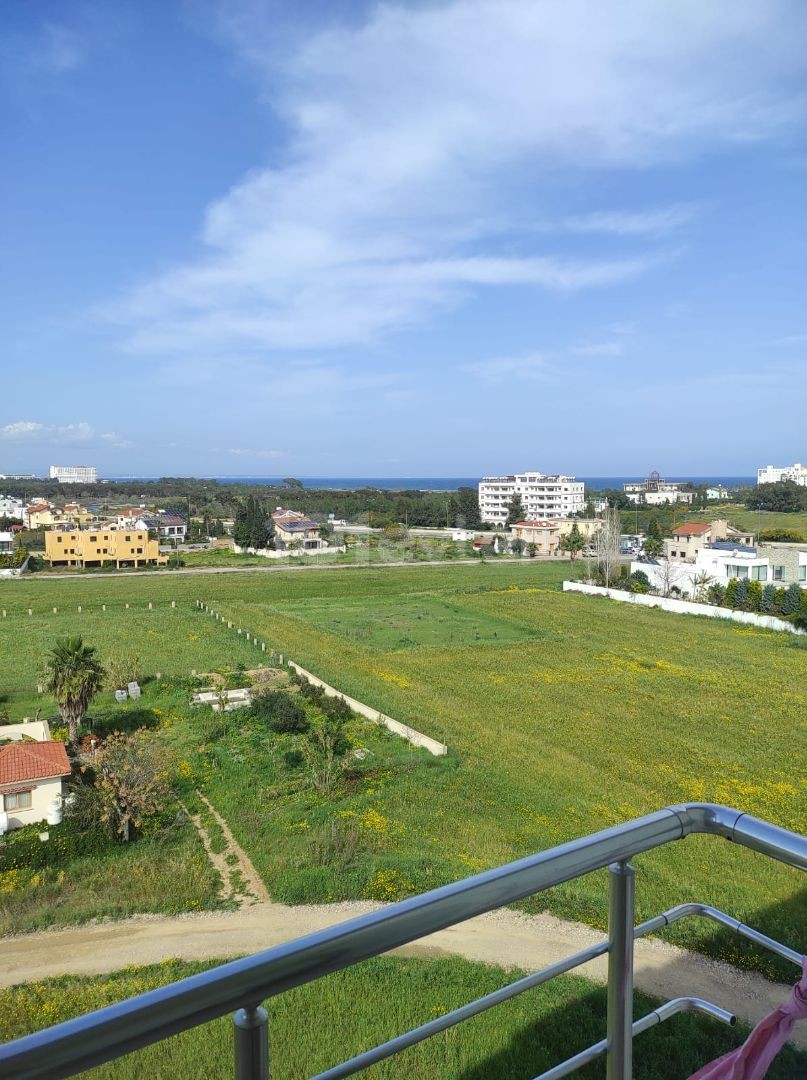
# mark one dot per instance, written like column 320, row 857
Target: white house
column 542, row 496
column 10, row 507
column 32, row 776
column 6, row 543
column 714, row 494
column 773, row 474
column 724, row 560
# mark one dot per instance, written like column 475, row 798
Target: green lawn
column 591, row 713
column 316, row 1026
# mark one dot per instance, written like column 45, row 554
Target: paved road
column 135, row 574
column 504, row 937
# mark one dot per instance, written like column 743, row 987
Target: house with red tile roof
column 689, row 539
column 32, row 776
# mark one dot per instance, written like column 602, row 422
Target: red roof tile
column 32, row 761
column 691, row 529
column 536, row 525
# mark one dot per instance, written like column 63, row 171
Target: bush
column 279, row 712
column 22, row 848
column 754, row 595
column 768, row 604
column 791, row 602
column 783, row 536
column 716, row 594
column 639, row 582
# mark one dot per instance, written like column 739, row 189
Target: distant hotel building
column 542, row 496
column 772, row 475
column 74, row 474
column 655, row 491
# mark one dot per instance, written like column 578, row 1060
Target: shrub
column 639, row 582
column 783, row 536
column 768, row 602
column 22, row 848
column 279, row 712
column 716, row 594
column 754, row 595
column 791, row 601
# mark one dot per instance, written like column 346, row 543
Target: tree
column 573, row 543
column 784, row 536
column 132, row 779
column 293, row 483
column 716, row 594
column 515, row 510
column 608, row 545
column 768, row 602
column 731, row 592
column 785, row 496
column 639, row 582
column 654, row 529
column 700, row 583
column 532, row 549
column 754, row 595
column 467, row 502
column 327, row 752
column 653, row 547
column 792, row 600
column 74, row 675
column 253, row 526
column 517, row 546
column 741, row 595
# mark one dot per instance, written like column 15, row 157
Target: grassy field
column 580, row 714
column 521, row 1038
column 735, row 514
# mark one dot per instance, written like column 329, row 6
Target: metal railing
column 243, row 985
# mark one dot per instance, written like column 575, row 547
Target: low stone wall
column 683, row 607
column 415, row 737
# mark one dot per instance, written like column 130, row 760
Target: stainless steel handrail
column 243, row 984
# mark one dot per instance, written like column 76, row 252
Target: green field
column 316, row 1026
column 587, row 714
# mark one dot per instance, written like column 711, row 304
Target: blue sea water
column 447, row 483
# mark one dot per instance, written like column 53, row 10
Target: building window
column 139, row 551
column 803, row 573
column 127, row 539
column 58, row 539
column 93, row 539
column 759, row 573
column 19, row 800
column 778, row 573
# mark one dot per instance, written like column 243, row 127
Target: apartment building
column 656, row 491
column 542, row 496
column 74, row 474
column 96, row 547
column 773, row 474
column 11, row 507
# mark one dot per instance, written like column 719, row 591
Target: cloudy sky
column 425, row 239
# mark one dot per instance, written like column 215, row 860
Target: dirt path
column 247, row 886
column 504, row 937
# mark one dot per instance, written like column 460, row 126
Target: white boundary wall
column 415, row 737
column 683, row 607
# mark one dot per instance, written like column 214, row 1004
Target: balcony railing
column 243, row 986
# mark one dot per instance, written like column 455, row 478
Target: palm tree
column 74, row 676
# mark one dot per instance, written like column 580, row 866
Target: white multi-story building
column 655, row 491
column 10, row 507
column 74, row 474
column 542, row 496
column 772, row 474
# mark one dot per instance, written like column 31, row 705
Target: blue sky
column 403, row 239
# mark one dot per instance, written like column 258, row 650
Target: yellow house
column 95, row 547
column 79, row 515
column 38, row 516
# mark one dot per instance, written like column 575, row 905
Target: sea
column 445, row 483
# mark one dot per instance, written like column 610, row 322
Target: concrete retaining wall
column 683, row 607
column 415, row 737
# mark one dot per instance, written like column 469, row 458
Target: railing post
column 621, row 891
column 251, row 1043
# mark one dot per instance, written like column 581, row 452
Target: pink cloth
column 752, row 1060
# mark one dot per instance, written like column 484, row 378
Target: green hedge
column 22, row 849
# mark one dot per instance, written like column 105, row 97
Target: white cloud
column 528, row 367
column 598, row 348
column 632, row 223
column 244, row 452
column 78, row 434
column 417, row 143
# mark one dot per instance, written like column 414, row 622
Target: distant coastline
column 436, row 483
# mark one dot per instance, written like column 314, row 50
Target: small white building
column 32, row 776
column 6, row 543
column 773, row 474
column 716, row 494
